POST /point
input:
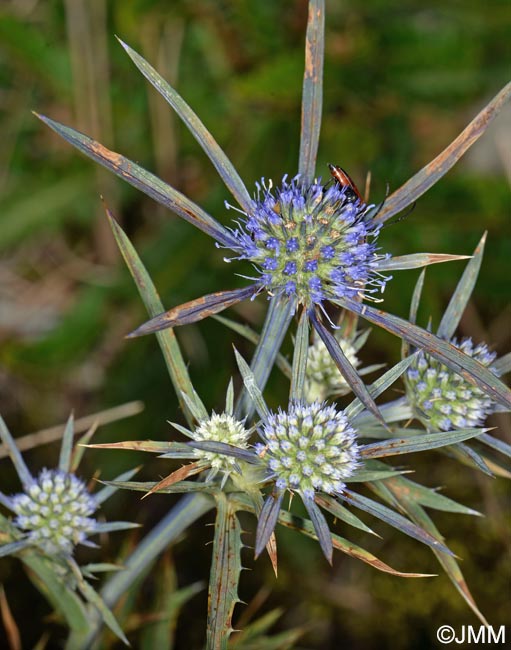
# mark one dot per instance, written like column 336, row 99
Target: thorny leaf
column 432, row 172
column 312, row 94
column 195, row 310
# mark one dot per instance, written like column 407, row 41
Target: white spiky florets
column 322, row 377
column 309, row 448
column 444, row 400
column 223, row 428
column 55, row 511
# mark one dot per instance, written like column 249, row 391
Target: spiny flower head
column 54, row 512
column 222, row 428
column 322, row 376
column 442, row 399
column 311, row 242
column 309, row 448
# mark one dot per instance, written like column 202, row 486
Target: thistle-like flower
column 222, row 428
column 309, row 448
column 442, row 399
column 311, row 242
column 218, row 428
column 55, row 512
column 52, row 516
column 212, row 434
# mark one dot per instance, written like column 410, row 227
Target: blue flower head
column 311, row 242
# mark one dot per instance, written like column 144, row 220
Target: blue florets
column 312, row 242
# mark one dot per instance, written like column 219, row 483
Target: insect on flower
column 343, row 179
column 308, row 245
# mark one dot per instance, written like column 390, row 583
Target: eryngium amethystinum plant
column 311, row 245
column 53, row 514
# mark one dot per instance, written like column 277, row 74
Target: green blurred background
column 401, row 80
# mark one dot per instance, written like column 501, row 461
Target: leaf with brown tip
column 144, row 181
column 194, row 310
column 179, row 475
column 431, row 173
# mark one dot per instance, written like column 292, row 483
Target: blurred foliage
column 401, row 80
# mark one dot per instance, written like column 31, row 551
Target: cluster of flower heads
column 311, row 242
column 309, row 448
column 55, row 512
column 222, row 428
column 442, row 399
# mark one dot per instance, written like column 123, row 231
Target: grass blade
column 92, row 596
column 495, row 443
column 86, row 423
column 227, row 450
column 250, row 335
column 379, row 386
column 17, row 460
column 64, row 599
column 114, row 526
column 448, row 563
column 502, row 365
column 276, row 324
column 417, row 261
column 14, row 547
column 106, row 492
column 67, row 445
column 151, row 446
column 341, row 512
column 345, row 546
column 167, row 339
column 267, row 521
column 251, row 386
column 345, row 368
column 397, row 446
column 468, row 456
column 177, row 488
column 414, row 307
column 430, row 498
column 300, row 358
column 321, row 527
column 393, row 519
